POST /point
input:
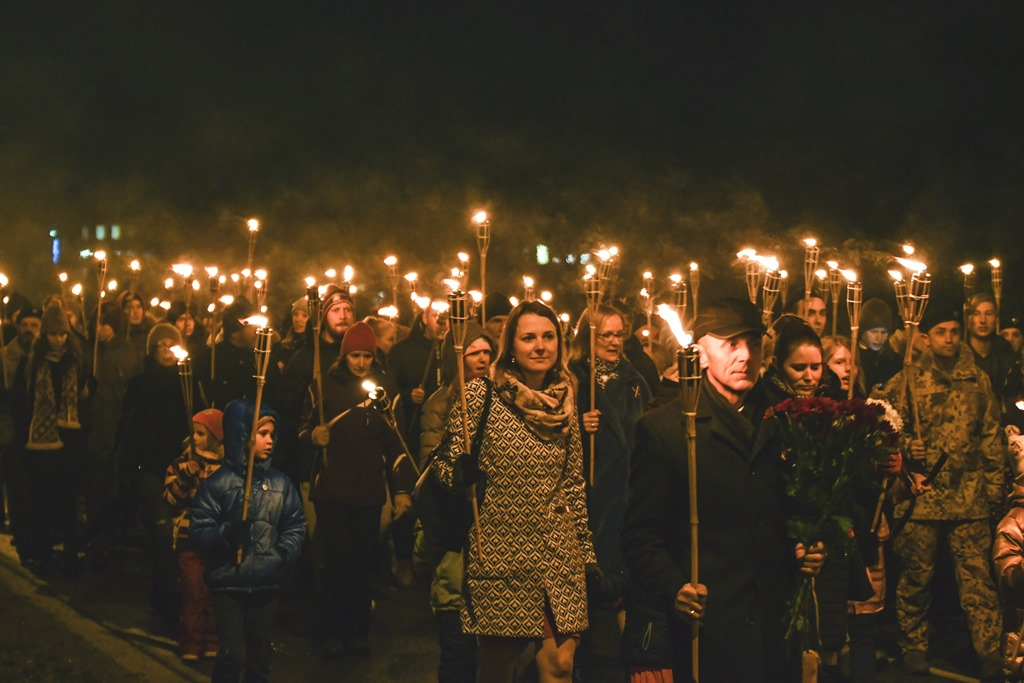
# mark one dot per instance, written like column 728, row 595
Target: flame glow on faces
column 254, row 224
column 257, row 320
column 669, row 315
column 967, row 268
column 391, row 261
column 480, row 217
column 179, row 352
column 915, row 266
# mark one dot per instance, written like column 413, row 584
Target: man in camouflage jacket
column 959, row 428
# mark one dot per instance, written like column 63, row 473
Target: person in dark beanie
column 50, row 390
column 137, row 322
column 235, row 362
column 876, row 358
column 193, row 334
column 13, row 482
column 154, row 421
column 347, row 487
column 116, row 364
column 958, row 467
column 337, row 313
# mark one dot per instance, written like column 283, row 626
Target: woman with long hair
column 526, row 572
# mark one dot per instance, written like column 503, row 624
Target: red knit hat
column 212, row 419
column 359, row 337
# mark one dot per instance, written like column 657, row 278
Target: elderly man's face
column 733, row 364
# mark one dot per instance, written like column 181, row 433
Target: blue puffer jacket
column 279, row 525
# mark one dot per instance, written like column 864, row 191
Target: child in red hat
column 197, row 632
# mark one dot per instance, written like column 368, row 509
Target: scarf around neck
column 547, row 412
column 47, row 416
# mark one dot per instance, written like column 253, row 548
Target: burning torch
column 459, row 317
column 264, row 336
column 483, row 241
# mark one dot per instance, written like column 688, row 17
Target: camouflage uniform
column 959, row 416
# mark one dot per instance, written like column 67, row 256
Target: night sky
column 677, row 130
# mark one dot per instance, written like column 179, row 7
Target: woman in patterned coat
column 527, row 579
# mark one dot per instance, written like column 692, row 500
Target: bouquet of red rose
column 832, row 450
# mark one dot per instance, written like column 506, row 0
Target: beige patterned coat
column 533, row 519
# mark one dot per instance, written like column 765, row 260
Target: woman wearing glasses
column 621, row 395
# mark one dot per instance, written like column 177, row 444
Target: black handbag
column 446, row 515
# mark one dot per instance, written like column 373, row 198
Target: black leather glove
column 238, row 533
column 467, row 471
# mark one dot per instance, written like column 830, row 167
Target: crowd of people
column 554, row 456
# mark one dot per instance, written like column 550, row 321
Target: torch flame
column 235, row 277
column 135, row 265
column 784, row 274
column 423, row 302
column 154, row 302
column 257, row 320
column 211, row 271
column 896, row 275
column 166, row 305
column 564, row 317
column 480, row 217
column 77, row 289
column 675, row 278
column 451, row 284
column 261, row 274
column 347, row 273
column 391, row 261
column 908, row 249
column 246, row 272
column 850, row 275
column 915, row 266
column 182, row 269
column 669, row 315
column 63, row 277
column 821, row 274
column 331, row 273
column 546, row 296
column 254, row 225
column 810, row 242
column 463, row 257
column 514, row 300
column 411, row 277
column 967, row 268
column 227, row 299
column 994, row 263
column 693, row 266
column 388, row 312
column 832, row 264
column 310, row 281
column 744, row 254
column 3, row 280
column 476, row 296
column 111, row 286
column 439, row 306
column 179, row 352
column 100, row 255
column 169, row 283
column 527, row 281
column 648, row 275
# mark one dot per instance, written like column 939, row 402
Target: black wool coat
column 745, row 558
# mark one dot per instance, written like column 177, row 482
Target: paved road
column 98, row 628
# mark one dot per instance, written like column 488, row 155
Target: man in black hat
column 746, row 557
column 958, row 465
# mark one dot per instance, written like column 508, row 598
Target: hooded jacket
column 279, row 525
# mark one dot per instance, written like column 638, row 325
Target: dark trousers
column 53, row 488
column 458, row 650
column 349, row 536
column 156, row 518
column 197, row 630
column 244, row 622
column 19, row 496
column 861, row 629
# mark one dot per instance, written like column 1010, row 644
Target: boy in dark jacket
column 270, row 537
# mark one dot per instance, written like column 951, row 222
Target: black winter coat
column 746, row 560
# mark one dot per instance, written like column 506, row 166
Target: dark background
column 679, row 131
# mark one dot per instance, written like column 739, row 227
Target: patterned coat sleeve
column 575, row 491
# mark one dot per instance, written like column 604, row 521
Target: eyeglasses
column 608, row 336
